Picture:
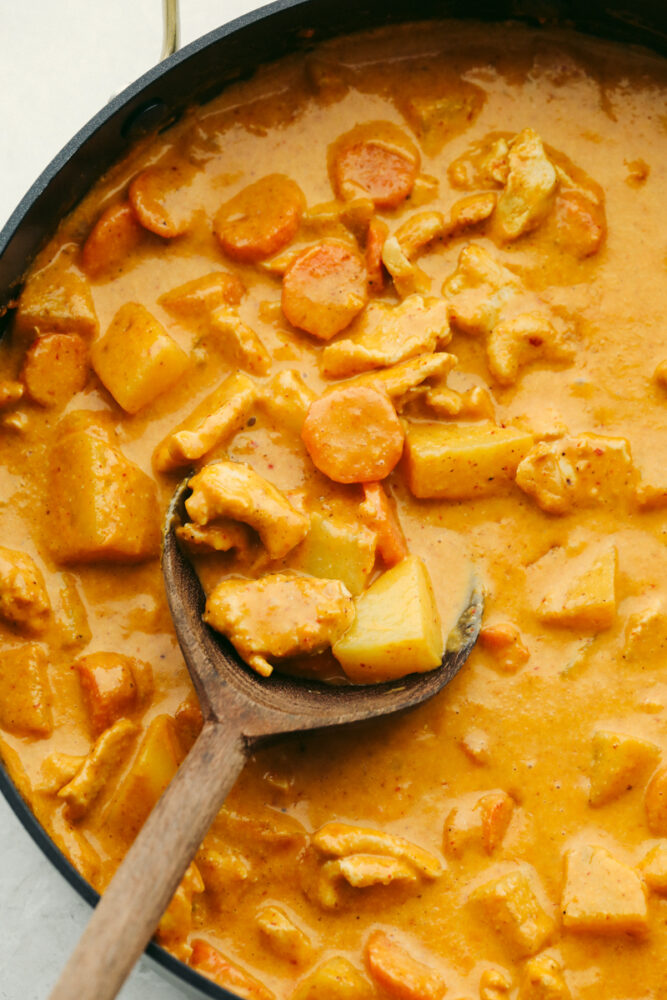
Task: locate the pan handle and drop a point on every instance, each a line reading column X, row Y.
column 171, row 39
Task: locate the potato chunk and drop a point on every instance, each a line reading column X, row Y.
column 283, row 937
column 397, row 628
column 512, row 906
column 102, row 507
column 279, row 615
column 397, row 972
column 386, row 335
column 601, row 895
column 24, row 601
column 107, row 755
column 55, row 368
column 655, row 803
column 336, row 550
column 654, row 868
column 25, row 697
column 216, row 419
column 335, row 979
column 136, row 359
column 617, row 764
column 57, row 299
column 531, row 183
column 580, row 590
column 233, row 489
column 112, row 685
column 462, row 462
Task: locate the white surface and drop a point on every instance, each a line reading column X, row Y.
column 61, row 61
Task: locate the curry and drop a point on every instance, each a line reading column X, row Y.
column 397, row 309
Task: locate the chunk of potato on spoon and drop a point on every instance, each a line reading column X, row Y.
column 241, row 709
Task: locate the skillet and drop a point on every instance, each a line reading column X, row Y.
column 195, row 75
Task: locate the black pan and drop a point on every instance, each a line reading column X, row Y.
column 195, row 75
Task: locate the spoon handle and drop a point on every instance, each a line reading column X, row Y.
column 137, row 896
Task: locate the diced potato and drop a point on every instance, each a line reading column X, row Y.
column 57, row 299
column 645, row 638
column 216, row 419
column 25, row 696
column 336, row 550
column 543, row 980
column 655, row 803
column 335, row 979
column 176, row 922
column 386, row 335
column 601, row 895
column 531, row 183
column 153, row 767
column 212, row 963
column 618, row 763
column 55, row 368
column 397, row 628
column 106, row 756
column 136, row 359
column 283, row 937
column 462, row 462
column 234, row 490
column 112, row 685
column 222, row 871
column 287, row 399
column 512, row 905
column 196, row 300
column 396, row 971
column 237, row 341
column 24, row 602
column 576, row 591
column 279, row 615
column 102, row 507
column 654, row 868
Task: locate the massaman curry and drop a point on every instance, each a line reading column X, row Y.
column 397, row 309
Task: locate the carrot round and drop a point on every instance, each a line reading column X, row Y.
column 260, row 220
column 324, row 289
column 111, row 240
column 378, row 513
column 158, row 198
column 376, row 160
column 353, row 435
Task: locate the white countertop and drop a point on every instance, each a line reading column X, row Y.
column 61, row 61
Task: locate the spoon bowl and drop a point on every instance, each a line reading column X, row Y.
column 240, row 710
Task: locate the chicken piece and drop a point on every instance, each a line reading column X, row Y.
column 223, row 871
column 407, row 277
column 376, row 234
column 618, row 762
column 646, row 633
column 504, row 643
column 360, row 871
column 279, row 615
column 386, row 335
column 398, row 973
column 478, row 290
column 57, row 299
column 518, row 341
column 176, row 923
column 340, row 840
column 286, row 399
column 196, row 300
column 11, row 392
column 576, row 472
column 475, row 403
column 494, row 984
column 601, row 895
column 107, row 755
column 543, row 980
column 112, row 685
column 220, row 536
column 653, row 868
column 55, row 368
column 437, row 120
column 335, row 979
column 470, row 211
column 57, row 770
column 237, row 341
column 283, row 937
column 216, row 419
column 233, row 489
column 400, row 381
column 530, row 187
column 25, row 696
column 210, row 962
column 486, row 164
column 419, row 230
column 24, row 602
column 577, row 592
column 512, row 905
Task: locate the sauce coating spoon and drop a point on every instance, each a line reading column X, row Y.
column 240, row 710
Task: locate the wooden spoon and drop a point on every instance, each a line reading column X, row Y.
column 240, row 710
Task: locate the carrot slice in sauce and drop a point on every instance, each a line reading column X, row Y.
column 378, row 513
column 113, row 238
column 378, row 230
column 377, row 160
column 260, row 220
column 210, row 962
column 158, row 198
column 324, row 289
column 353, row 435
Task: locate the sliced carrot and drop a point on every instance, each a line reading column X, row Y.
column 260, row 220
column 197, row 299
column 111, row 240
column 580, row 223
column 377, row 160
column 324, row 289
column 353, row 435
column 378, row 513
column 212, row 963
column 378, row 230
column 56, row 367
column 398, row 973
column 158, row 196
